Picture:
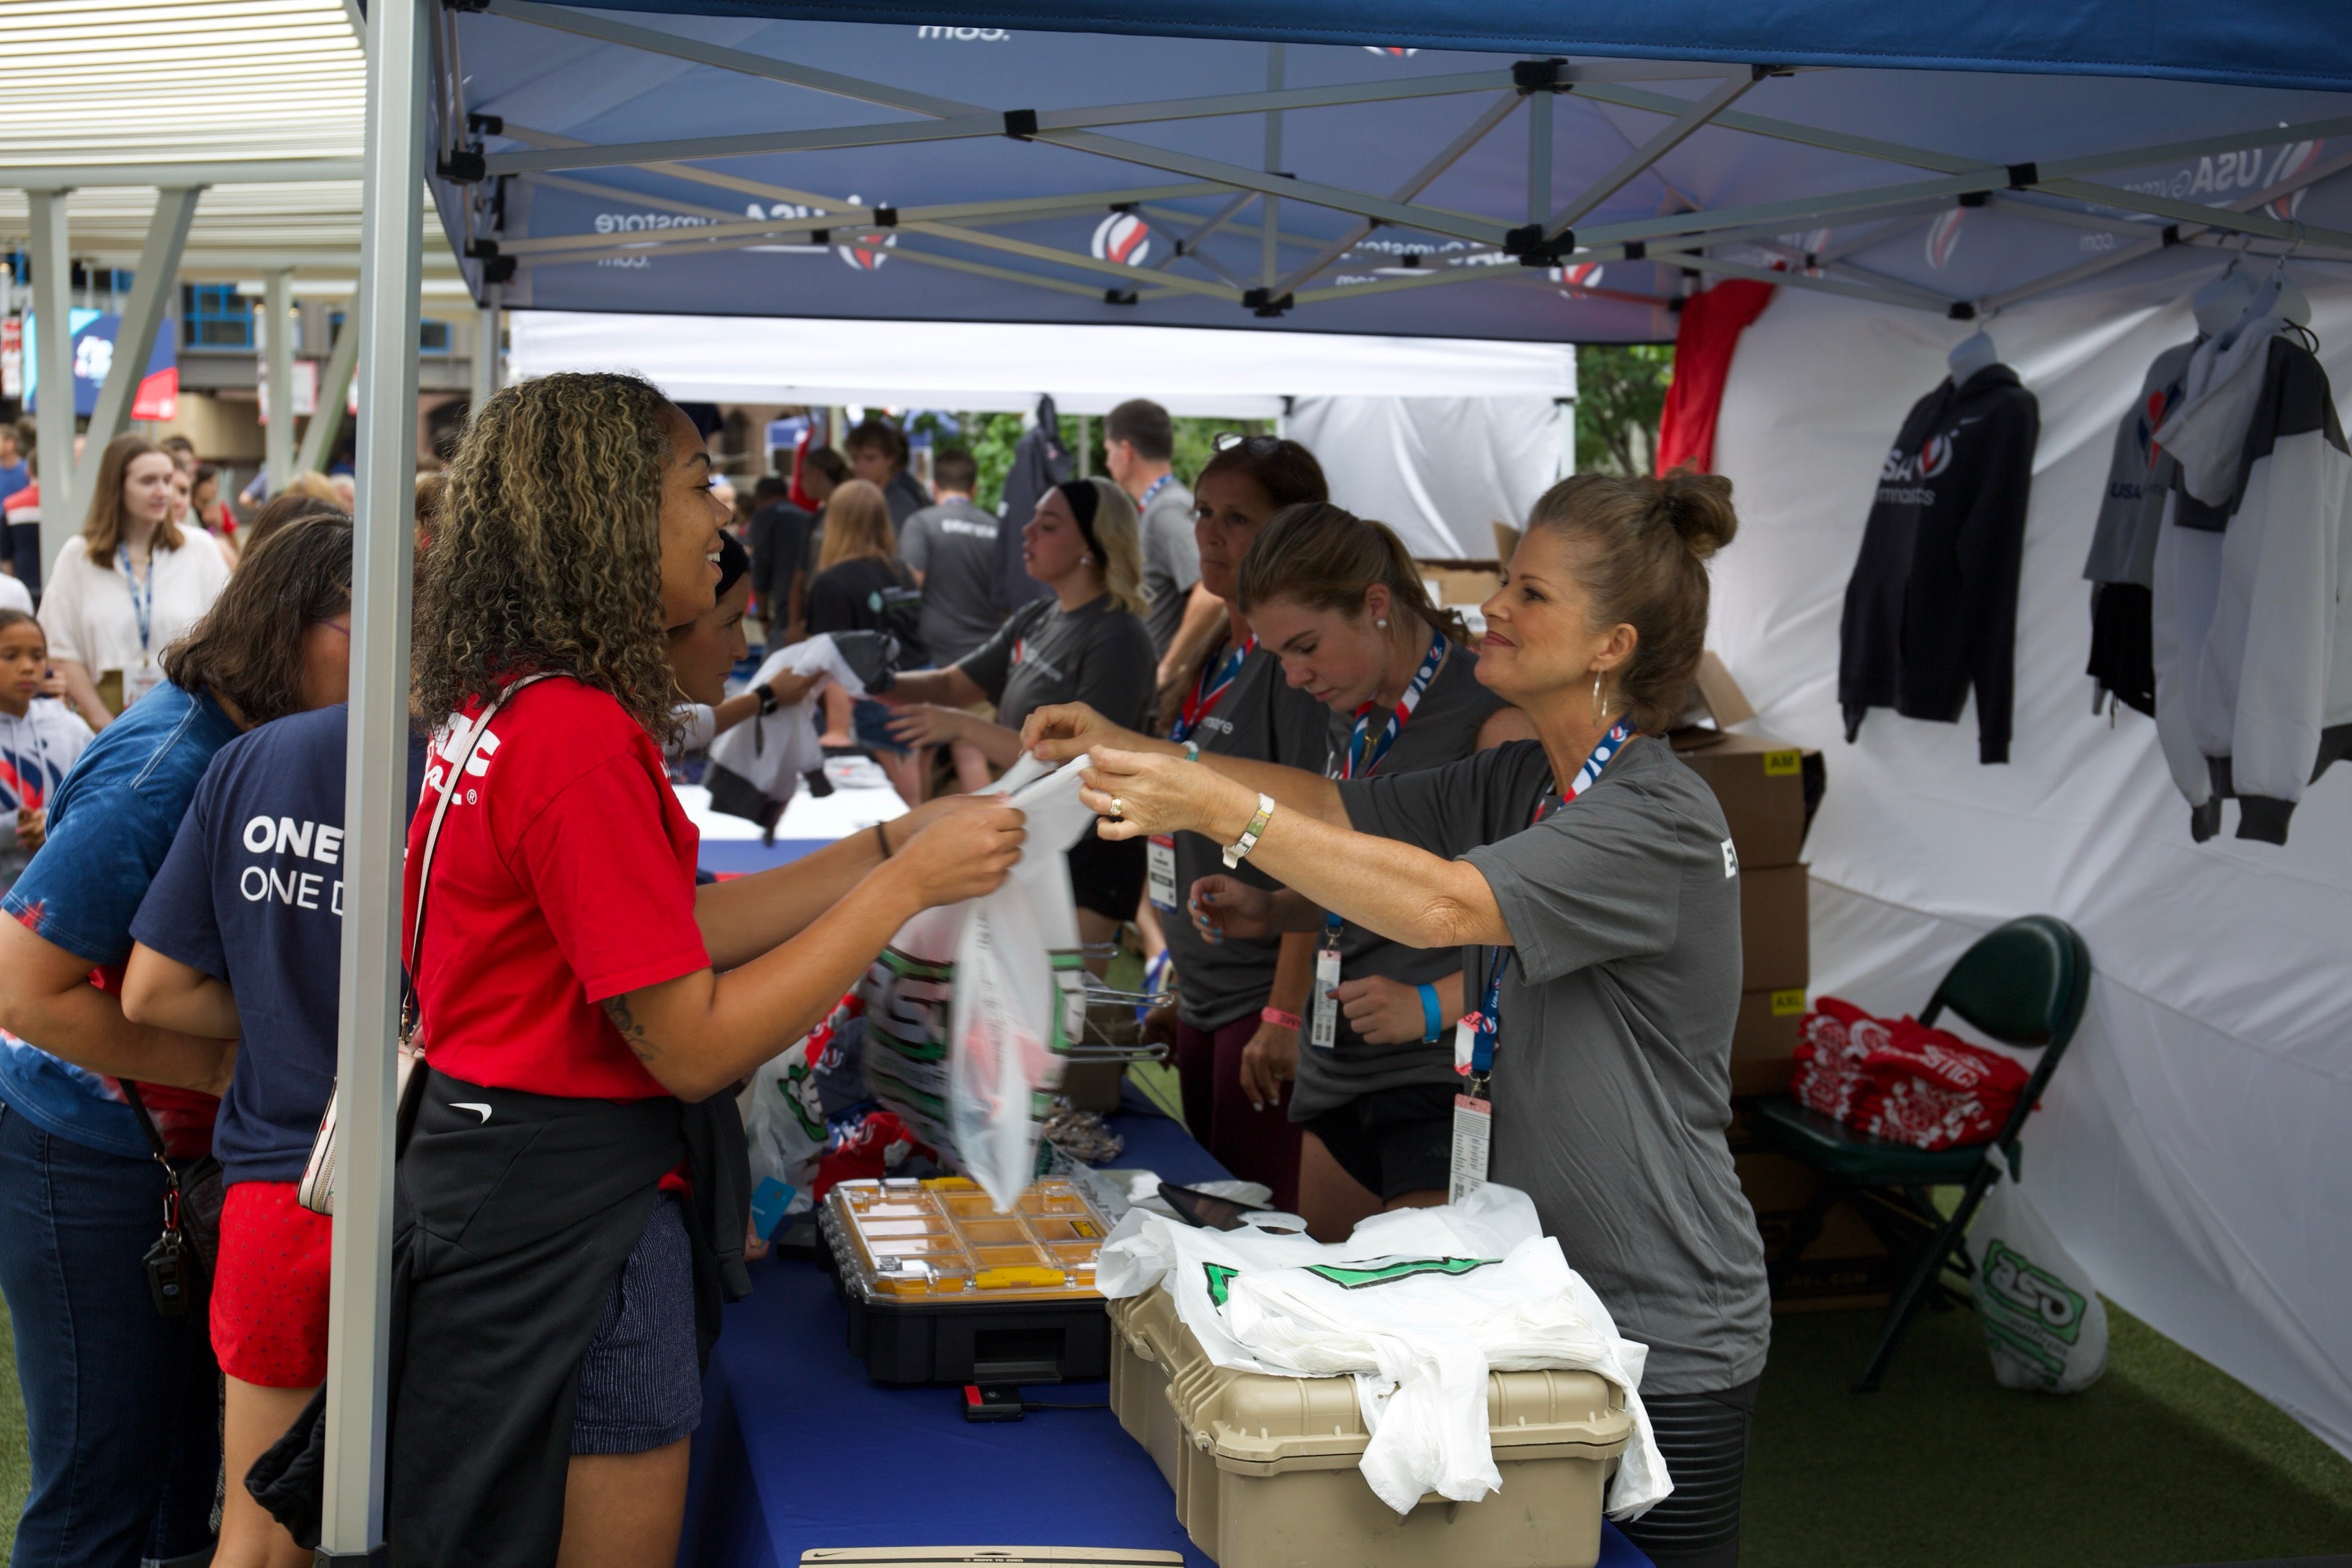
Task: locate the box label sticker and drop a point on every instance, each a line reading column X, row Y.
column 1786, row 1003
column 1782, row 764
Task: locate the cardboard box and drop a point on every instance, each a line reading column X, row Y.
column 1760, row 785
column 1774, row 929
column 1846, row 1266
column 1769, row 790
column 1460, row 585
column 1764, row 1040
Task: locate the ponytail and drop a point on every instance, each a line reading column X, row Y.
column 1327, row 558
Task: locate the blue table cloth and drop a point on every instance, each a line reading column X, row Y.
column 798, row 1450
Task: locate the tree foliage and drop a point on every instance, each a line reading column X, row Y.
column 991, row 437
column 1620, row 390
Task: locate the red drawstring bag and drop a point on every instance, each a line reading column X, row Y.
column 1901, row 1080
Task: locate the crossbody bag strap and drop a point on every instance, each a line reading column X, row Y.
column 441, row 810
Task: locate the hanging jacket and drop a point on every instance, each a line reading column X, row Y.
column 2253, row 583
column 508, row 1234
column 1039, row 462
column 1931, row 608
column 2121, row 565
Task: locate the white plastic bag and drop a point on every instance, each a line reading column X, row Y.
column 2044, row 1321
column 970, row 1012
column 783, row 1122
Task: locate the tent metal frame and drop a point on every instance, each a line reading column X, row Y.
column 2058, row 192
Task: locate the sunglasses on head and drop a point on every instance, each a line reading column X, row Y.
column 1254, row 446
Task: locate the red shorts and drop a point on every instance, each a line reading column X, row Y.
column 270, row 1288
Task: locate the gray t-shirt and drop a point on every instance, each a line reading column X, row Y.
column 1613, row 1070
column 1260, row 719
column 1443, row 728
column 1097, row 654
column 1172, row 562
column 953, row 545
column 2123, row 541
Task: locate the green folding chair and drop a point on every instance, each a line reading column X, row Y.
column 2025, row 984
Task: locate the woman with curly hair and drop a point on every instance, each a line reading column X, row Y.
column 584, row 1010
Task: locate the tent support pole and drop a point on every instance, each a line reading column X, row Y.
column 278, row 343
column 1726, row 93
column 53, row 353
column 1269, row 254
column 1453, row 153
column 1538, row 154
column 383, row 322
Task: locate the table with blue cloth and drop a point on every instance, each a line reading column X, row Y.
column 798, row 1450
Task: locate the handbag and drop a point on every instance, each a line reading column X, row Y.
column 179, row 1262
column 317, row 1192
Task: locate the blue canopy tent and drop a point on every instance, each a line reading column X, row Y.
column 709, row 159
column 1549, row 170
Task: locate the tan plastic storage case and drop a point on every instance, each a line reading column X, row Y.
column 1264, row 1468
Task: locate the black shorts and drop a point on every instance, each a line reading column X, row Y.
column 1106, row 875
column 1392, row 1141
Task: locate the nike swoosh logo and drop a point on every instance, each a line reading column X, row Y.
column 471, row 1105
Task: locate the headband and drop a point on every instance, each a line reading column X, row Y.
column 1085, row 501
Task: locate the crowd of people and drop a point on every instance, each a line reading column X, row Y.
column 1357, row 835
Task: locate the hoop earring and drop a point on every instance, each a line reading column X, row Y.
column 1600, row 707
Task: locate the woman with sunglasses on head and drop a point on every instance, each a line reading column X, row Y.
column 1592, row 876
column 1238, row 999
column 1339, row 604
column 1086, row 644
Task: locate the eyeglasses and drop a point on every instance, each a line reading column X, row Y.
column 342, row 627
column 1253, row 446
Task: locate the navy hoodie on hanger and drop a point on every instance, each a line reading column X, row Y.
column 1931, row 609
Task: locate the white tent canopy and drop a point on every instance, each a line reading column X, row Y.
column 992, row 365
column 2191, row 1148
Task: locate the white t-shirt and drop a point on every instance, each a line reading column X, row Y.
column 14, row 594
column 88, row 613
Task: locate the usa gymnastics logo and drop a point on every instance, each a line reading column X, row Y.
column 1944, row 236
column 1574, row 281
column 1904, row 469
column 2297, row 160
column 1122, row 237
column 866, row 254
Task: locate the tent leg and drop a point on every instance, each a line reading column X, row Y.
column 53, row 349
column 278, row 343
column 375, row 801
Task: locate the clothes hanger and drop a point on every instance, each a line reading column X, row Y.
column 2221, row 301
column 1974, row 354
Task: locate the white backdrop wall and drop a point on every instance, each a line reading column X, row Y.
column 1438, row 470
column 2195, row 1148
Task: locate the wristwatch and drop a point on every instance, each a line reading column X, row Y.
column 767, row 701
column 1238, row 850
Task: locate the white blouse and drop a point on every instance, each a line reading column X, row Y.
column 88, row 616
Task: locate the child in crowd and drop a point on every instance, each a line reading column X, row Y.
column 40, row 740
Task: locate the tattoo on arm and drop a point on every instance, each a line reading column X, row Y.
column 633, row 1033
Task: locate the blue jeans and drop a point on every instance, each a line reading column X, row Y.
column 122, row 1404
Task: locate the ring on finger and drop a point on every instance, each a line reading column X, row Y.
column 1117, row 808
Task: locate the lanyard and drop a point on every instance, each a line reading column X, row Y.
column 144, row 608
column 1210, row 687
column 1487, row 1021
column 1153, row 489
column 1360, row 760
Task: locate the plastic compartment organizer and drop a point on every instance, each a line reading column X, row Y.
column 942, row 1288
column 1264, row 1468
